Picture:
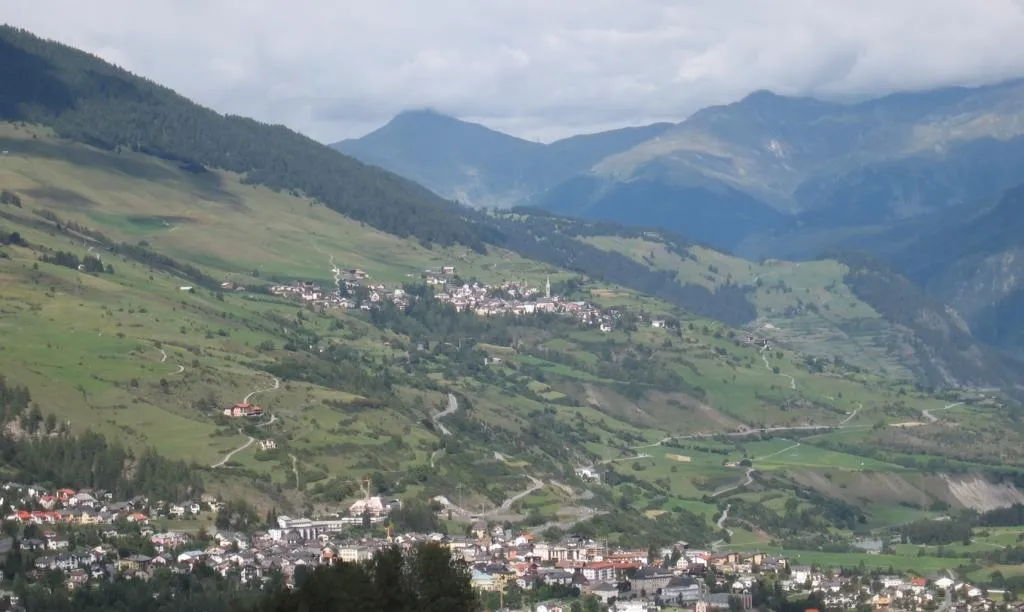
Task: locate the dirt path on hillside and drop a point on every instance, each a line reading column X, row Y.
column 163, row 359
column 768, row 365
column 934, row 419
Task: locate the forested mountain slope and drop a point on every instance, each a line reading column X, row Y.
column 88, row 100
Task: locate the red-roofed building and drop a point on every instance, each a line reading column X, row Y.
column 243, row 409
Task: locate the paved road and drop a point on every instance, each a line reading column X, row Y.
column 725, row 515
column 453, row 405
column 277, row 385
column 536, row 485
column 749, row 481
column 721, row 525
column 228, row 456
column 248, row 443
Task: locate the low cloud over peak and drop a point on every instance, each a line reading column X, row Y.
column 532, row 67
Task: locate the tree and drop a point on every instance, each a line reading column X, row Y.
column 426, row 579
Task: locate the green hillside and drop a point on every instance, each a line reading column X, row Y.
column 355, row 396
column 850, row 309
column 137, row 304
column 88, row 100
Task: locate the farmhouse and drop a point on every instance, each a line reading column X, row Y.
column 243, row 409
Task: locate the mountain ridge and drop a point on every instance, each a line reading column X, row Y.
column 820, row 164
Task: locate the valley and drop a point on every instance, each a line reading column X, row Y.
column 305, row 338
column 694, row 398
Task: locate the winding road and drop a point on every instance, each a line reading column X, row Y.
column 277, row 385
column 163, row 358
column 250, row 440
column 231, row 454
column 535, row 485
column 721, row 525
column 725, row 515
column 749, row 481
column 453, row 405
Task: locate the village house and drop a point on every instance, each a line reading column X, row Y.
column 243, row 409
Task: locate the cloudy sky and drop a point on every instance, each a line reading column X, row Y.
column 536, row 68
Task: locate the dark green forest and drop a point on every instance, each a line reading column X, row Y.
column 48, row 453
column 88, row 100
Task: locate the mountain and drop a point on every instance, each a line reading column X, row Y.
column 145, row 291
column 482, row 167
column 88, row 100
column 971, row 257
column 768, row 175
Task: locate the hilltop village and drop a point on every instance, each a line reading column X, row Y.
column 356, row 289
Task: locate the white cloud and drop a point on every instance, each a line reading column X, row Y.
column 534, row 67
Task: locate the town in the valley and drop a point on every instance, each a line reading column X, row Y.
column 501, row 558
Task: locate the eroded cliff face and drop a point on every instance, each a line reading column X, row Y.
column 972, row 491
column 975, row 284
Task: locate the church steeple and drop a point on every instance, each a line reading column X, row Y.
column 547, row 288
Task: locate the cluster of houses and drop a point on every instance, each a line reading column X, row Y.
column 42, row 506
column 508, row 298
column 622, row 579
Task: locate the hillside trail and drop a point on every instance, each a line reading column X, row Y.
column 335, row 270
column 453, row 405
column 934, row 419
column 250, row 440
column 163, row 359
column 768, row 365
column 778, row 452
column 850, row 416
